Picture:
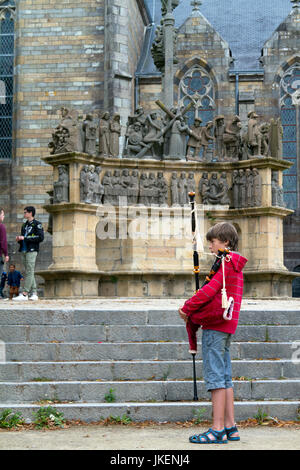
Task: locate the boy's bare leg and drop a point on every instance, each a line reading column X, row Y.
column 229, row 410
column 218, row 398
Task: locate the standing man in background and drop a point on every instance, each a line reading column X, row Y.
column 32, row 234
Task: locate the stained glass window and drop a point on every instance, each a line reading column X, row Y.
column 7, row 10
column 197, row 87
column 290, row 85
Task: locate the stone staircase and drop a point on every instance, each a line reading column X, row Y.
column 99, row 362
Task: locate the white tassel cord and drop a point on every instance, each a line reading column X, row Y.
column 227, row 304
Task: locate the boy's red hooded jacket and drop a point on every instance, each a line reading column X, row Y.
column 205, row 307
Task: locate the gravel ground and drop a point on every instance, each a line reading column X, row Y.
column 151, row 437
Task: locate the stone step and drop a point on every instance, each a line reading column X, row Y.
column 139, row 370
column 82, row 351
column 160, row 412
column 18, row 315
column 136, row 333
column 154, row 391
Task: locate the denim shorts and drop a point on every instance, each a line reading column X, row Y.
column 216, row 359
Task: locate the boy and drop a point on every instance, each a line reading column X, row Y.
column 13, row 281
column 205, row 309
column 32, row 234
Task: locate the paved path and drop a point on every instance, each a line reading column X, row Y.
column 152, row 437
column 137, row 303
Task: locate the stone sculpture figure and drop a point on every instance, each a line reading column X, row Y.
column 191, row 185
column 153, row 135
column 223, row 193
column 232, row 140
column 219, row 136
column 264, row 130
column 83, row 181
column 125, row 182
column 254, row 137
column 145, row 190
column 139, row 117
column 134, row 140
column 235, row 188
column 98, row 190
column 206, row 137
column 153, row 190
column 133, row 191
column 277, row 191
column 104, row 134
column 177, row 149
column 183, row 189
column 114, row 135
column 90, row 185
column 275, row 138
column 164, row 5
column 194, row 142
column 66, row 136
column 89, row 128
column 116, row 187
column 166, row 121
column 213, row 189
column 174, row 189
column 249, row 187
column 61, row 186
column 162, row 187
column 158, row 48
column 108, row 188
column 204, row 187
column 242, row 188
column 257, row 188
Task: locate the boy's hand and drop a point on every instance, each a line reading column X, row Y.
column 183, row 315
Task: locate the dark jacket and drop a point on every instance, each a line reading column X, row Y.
column 33, row 234
column 3, row 240
column 14, row 279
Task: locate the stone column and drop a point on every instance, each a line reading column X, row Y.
column 169, row 22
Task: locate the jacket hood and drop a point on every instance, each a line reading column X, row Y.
column 238, row 261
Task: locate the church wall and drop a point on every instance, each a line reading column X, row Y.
column 199, row 43
column 124, row 33
column 280, row 53
column 62, row 58
column 59, row 61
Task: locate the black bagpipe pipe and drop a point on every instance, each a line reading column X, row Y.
column 196, row 272
column 227, row 304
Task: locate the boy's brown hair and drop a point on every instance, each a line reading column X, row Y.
column 225, row 232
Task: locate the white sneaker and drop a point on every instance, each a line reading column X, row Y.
column 33, row 297
column 21, row 298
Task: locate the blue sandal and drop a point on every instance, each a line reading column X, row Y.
column 230, row 431
column 205, row 439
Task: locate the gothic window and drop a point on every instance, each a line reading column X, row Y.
column 7, row 15
column 197, row 86
column 289, row 92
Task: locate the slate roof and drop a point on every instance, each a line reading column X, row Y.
column 245, row 24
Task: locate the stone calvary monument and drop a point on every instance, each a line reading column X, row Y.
column 120, row 216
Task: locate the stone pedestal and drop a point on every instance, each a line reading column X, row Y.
column 146, row 251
